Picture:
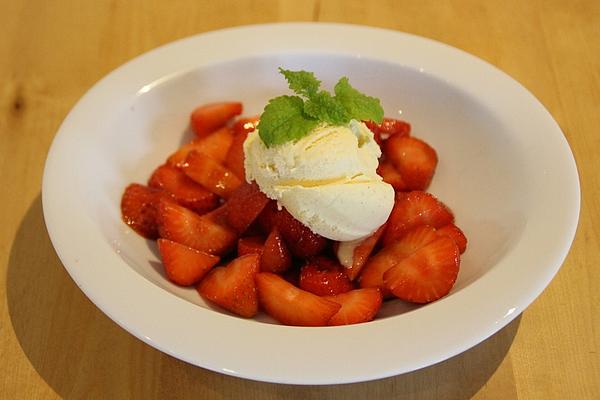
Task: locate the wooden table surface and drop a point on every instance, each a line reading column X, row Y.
column 54, row 343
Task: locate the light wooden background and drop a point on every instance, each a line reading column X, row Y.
column 55, row 344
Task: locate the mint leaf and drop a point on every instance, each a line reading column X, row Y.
column 358, row 105
column 283, row 120
column 326, row 108
column 303, row 83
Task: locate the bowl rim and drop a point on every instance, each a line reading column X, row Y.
column 177, row 333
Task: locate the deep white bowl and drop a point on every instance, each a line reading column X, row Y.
column 505, row 169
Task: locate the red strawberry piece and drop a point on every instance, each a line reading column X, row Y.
column 185, row 191
column 246, row 125
column 455, row 233
column 251, row 245
column 276, row 256
column 139, row 209
column 323, row 276
column 387, row 128
column 216, row 146
column 358, row 305
column 301, row 241
column 426, row 275
column 412, row 209
column 183, row 265
column 210, row 117
column 360, row 254
column 233, row 287
column 244, row 205
column 392, row 254
column 413, row 158
column 210, row 174
column 235, row 156
column 390, row 175
column 206, row 233
column 291, row 305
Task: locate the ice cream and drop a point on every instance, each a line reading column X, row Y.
column 327, row 179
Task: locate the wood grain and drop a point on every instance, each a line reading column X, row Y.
column 55, row 344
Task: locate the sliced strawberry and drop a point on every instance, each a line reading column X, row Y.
column 360, row 253
column 390, row 175
column 183, row 265
column 185, row 191
column 427, row 274
column 413, row 158
column 412, row 209
column 251, row 245
column 276, row 256
column 210, row 117
column 323, row 276
column 387, row 128
column 455, row 233
column 235, row 156
column 210, row 174
column 392, row 254
column 233, row 287
column 301, row 241
column 138, row 209
column 216, row 146
column 291, row 305
column 246, row 124
column 244, row 206
column 358, row 305
column 206, row 233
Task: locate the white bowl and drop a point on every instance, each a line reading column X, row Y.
column 505, row 169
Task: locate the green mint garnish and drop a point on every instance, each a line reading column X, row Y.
column 289, row 118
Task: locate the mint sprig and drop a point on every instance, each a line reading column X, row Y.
column 289, row 118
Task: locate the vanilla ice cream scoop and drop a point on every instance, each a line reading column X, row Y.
column 327, row 179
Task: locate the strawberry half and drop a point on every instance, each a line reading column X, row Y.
column 233, row 287
column 361, row 253
column 412, row 209
column 426, row 275
column 390, row 175
column 244, row 206
column 323, row 276
column 210, row 117
column 184, row 190
column 235, row 156
column 359, row 305
column 216, row 146
column 210, row 174
column 455, row 233
column 388, row 127
column 139, row 209
column 414, row 159
column 275, row 257
column 291, row 305
column 183, row 265
column 251, row 245
column 205, row 233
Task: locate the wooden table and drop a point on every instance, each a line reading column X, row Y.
column 55, row 344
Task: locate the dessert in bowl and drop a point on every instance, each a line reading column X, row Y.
column 503, row 166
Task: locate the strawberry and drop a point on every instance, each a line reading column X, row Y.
column 291, row 305
column 276, row 257
column 360, row 253
column 233, row 287
column 323, row 276
column 414, row 159
column 210, row 117
column 301, row 241
column 184, row 190
column 455, row 233
column 216, row 146
column 392, row 254
column 245, row 125
column 251, row 245
column 244, row 205
column 387, row 128
column 235, row 156
column 138, row 209
column 206, row 233
column 390, row 175
column 412, row 209
column 427, row 274
column 210, row 174
column 183, row 265
column 358, row 305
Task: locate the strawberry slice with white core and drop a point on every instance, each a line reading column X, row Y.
column 359, row 305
